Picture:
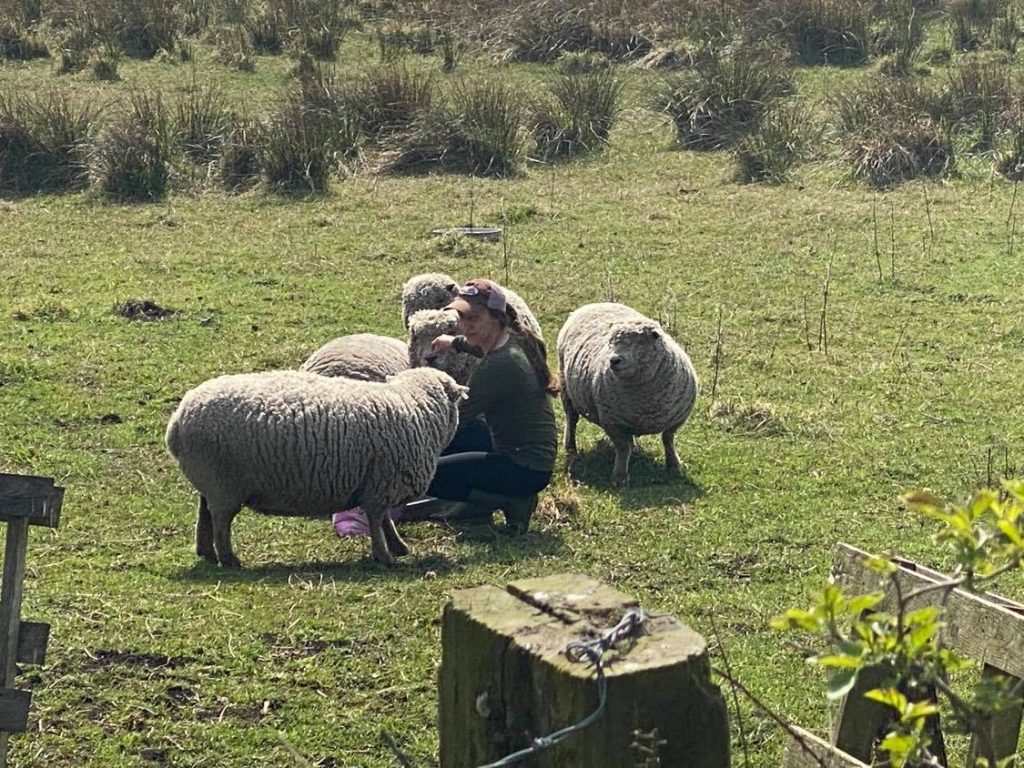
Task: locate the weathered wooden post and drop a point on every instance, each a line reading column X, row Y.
column 505, row 680
column 24, row 501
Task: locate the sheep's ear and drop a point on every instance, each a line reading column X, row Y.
column 451, row 287
column 459, row 392
column 654, row 331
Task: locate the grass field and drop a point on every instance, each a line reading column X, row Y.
column 313, row 650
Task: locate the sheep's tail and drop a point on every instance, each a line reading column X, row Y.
column 173, row 438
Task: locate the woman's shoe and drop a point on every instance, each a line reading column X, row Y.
column 518, row 509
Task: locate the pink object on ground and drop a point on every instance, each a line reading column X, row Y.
column 353, row 522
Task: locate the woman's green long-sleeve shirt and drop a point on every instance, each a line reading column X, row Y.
column 504, row 390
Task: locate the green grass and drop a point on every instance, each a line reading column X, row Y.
column 156, row 658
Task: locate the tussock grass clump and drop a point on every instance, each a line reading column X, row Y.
column 577, row 115
column 835, row 32
column 976, row 96
column 781, row 140
column 721, row 101
column 43, row 142
column 581, row 62
column 21, row 152
column 146, row 27
column 477, row 131
column 105, row 61
column 971, row 21
column 390, row 98
column 882, row 100
column 306, row 138
column 1006, row 31
column 20, row 44
column 896, row 152
column 267, row 32
column 239, row 167
column 234, row 49
column 202, row 119
column 315, row 27
column 1010, row 162
column 131, row 156
column 73, row 50
column 396, row 36
column 487, row 119
column 542, row 30
column 900, row 37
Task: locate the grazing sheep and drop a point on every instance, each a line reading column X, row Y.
column 362, row 356
column 295, row 443
column 434, row 291
column 425, row 326
column 623, row 372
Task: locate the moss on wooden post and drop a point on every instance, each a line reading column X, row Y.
column 505, row 680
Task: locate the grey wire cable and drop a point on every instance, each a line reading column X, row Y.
column 592, row 651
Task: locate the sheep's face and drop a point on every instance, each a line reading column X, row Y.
column 634, row 347
column 424, row 327
column 430, row 291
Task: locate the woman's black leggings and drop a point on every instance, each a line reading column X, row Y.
column 459, row 473
column 470, row 463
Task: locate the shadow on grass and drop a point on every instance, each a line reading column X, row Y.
column 649, row 483
column 498, row 546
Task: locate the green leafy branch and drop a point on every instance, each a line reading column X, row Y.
column 905, row 644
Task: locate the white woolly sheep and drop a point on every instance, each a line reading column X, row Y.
column 434, row 290
column 623, row 372
column 362, row 356
column 425, row 326
column 296, row 443
column 431, row 290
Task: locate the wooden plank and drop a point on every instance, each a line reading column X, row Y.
column 14, row 710
column 505, row 680
column 33, row 637
column 805, row 750
column 860, row 720
column 41, row 510
column 1000, row 733
column 10, row 620
column 10, row 598
column 981, row 626
column 21, row 486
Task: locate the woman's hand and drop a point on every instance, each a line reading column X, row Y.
column 442, row 343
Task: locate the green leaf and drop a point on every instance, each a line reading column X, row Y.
column 861, row 603
column 920, row 710
column 926, row 615
column 840, row 683
column 888, row 696
column 796, row 618
column 880, row 564
column 838, row 661
column 899, row 746
column 923, row 498
column 1011, row 532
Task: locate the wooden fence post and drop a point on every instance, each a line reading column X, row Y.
column 505, row 680
column 24, row 501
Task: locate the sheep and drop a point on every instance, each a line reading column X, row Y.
column 296, row 443
column 622, row 371
column 431, row 290
column 362, row 356
column 434, row 290
column 425, row 326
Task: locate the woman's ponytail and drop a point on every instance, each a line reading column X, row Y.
column 534, row 348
